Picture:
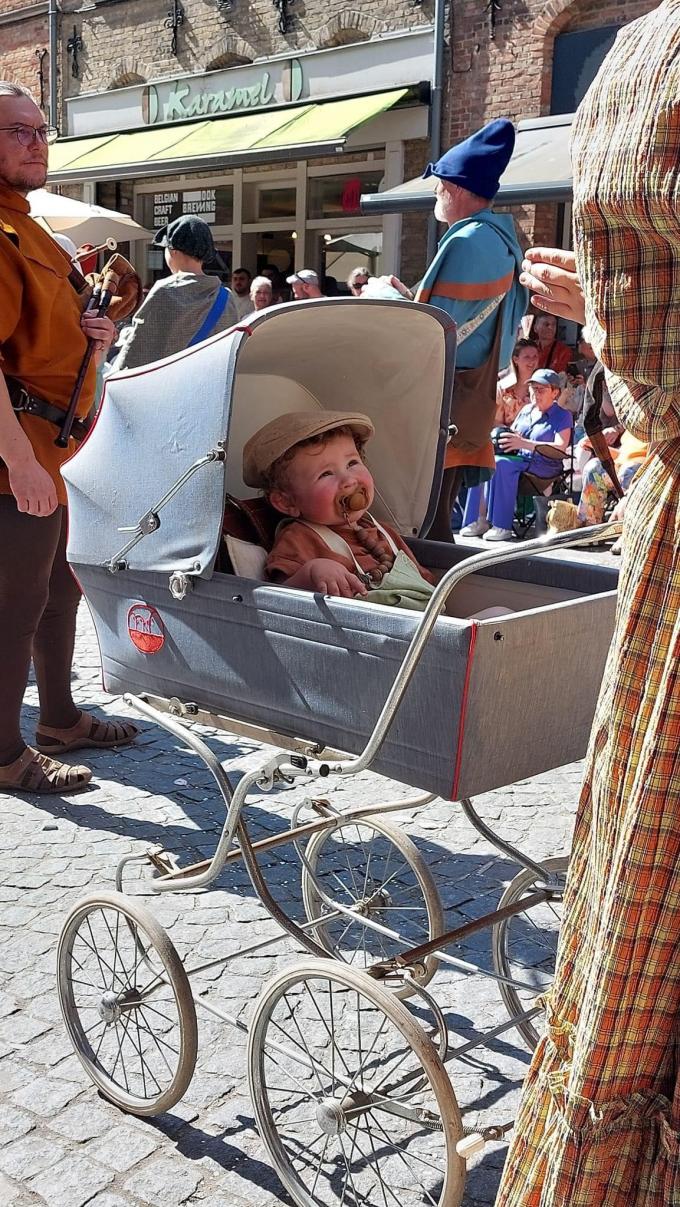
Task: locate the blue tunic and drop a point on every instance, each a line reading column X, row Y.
column 478, row 259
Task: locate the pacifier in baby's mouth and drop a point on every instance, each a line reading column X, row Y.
column 357, row 501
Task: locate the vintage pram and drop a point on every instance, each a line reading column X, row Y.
column 350, row 1091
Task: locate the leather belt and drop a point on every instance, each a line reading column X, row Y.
column 33, row 404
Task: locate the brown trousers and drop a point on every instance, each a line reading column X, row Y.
column 440, row 528
column 38, row 605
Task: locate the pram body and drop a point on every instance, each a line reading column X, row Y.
column 267, row 654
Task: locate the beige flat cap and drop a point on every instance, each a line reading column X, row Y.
column 275, row 438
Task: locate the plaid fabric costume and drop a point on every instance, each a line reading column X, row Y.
column 599, row 1122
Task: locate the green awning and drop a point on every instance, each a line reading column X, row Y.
column 291, row 132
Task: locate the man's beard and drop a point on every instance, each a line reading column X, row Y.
column 22, row 182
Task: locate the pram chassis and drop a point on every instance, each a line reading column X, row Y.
column 403, row 971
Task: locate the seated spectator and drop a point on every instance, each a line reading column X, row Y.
column 513, row 389
column 356, row 281
column 596, row 483
column 240, row 290
column 305, row 284
column 542, row 422
column 311, row 468
column 183, row 308
column 552, row 353
column 261, row 293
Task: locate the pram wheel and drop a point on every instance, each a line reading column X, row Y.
column 373, row 869
column 127, row 1003
column 332, row 1058
column 525, row 945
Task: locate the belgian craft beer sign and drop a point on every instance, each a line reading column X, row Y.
column 398, row 60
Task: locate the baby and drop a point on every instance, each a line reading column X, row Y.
column 311, row 467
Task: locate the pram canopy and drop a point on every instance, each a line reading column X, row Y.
column 392, row 360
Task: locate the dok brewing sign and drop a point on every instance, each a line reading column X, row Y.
column 215, row 206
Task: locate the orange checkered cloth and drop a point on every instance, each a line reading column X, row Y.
column 599, row 1121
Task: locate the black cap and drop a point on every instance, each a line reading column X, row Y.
column 189, row 234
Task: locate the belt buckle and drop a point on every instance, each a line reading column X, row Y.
column 21, row 404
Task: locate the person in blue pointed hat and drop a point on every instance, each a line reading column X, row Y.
column 474, row 277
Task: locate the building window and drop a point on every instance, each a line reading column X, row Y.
column 577, row 58
column 276, row 203
column 339, row 196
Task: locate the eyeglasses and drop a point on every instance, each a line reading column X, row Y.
column 27, row 135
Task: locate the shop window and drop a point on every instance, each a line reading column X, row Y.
column 276, row 203
column 215, row 206
column 339, row 196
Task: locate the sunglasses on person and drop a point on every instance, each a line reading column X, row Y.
column 27, row 135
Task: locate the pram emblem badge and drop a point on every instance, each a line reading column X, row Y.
column 145, row 628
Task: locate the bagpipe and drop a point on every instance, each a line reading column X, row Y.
column 115, row 291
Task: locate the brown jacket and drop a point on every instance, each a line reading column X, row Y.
column 41, row 341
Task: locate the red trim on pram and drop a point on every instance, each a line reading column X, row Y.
column 463, row 709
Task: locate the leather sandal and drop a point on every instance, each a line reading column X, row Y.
column 88, row 732
column 34, row 772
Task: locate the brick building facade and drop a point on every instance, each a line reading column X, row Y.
column 519, row 58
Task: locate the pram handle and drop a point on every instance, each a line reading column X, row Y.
column 434, row 609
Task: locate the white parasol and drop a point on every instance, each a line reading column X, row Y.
column 82, row 221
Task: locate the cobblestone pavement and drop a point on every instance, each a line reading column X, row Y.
column 61, row 1143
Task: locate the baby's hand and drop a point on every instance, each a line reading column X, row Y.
column 331, row 578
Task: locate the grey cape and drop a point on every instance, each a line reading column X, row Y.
column 170, row 316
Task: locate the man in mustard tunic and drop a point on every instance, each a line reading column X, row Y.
column 43, row 338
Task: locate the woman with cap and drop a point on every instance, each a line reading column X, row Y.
column 475, row 270
column 542, row 422
column 184, row 308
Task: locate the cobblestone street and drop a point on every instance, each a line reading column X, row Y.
column 61, row 1143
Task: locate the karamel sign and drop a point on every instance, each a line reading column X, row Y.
column 190, row 98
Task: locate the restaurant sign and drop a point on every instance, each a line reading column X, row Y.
column 188, row 98
column 398, row 60
column 213, row 205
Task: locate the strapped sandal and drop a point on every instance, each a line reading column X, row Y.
column 88, row 732
column 34, row 772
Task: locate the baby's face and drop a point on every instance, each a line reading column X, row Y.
column 319, row 477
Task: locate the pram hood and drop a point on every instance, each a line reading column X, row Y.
column 392, row 360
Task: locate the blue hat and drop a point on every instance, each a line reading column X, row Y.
column 478, row 163
column 546, row 377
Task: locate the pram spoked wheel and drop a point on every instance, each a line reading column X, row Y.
column 376, row 871
column 352, row 1100
column 525, row 945
column 127, row 1003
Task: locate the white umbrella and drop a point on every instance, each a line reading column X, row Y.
column 366, row 244
column 82, row 221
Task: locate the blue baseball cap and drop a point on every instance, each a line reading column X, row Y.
column 478, row 163
column 546, row 377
